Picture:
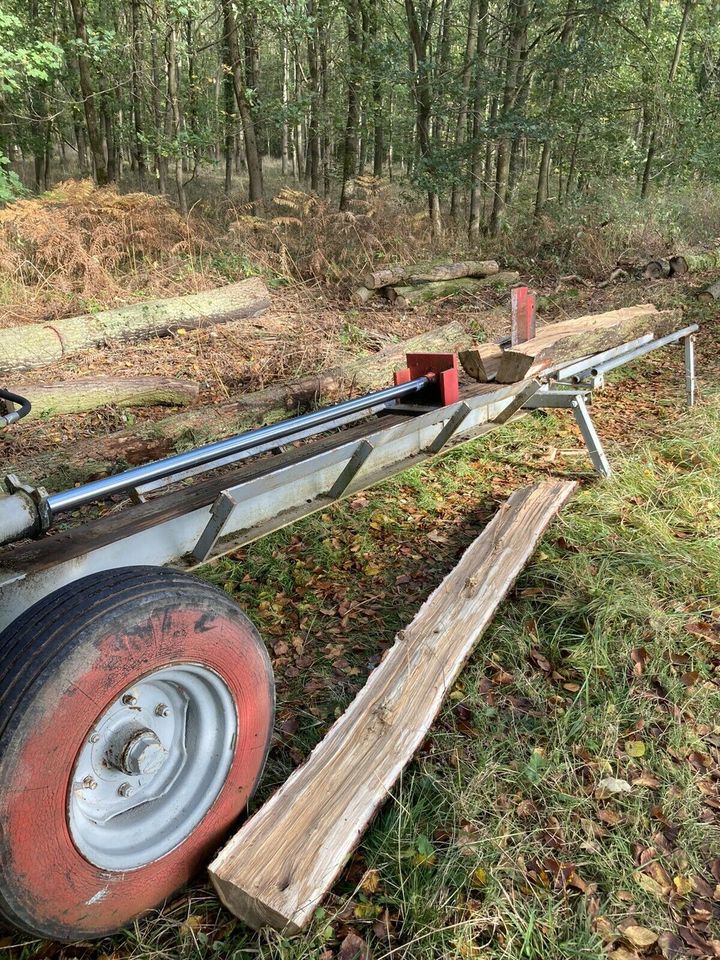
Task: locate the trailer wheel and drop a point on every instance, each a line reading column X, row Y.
column 136, row 710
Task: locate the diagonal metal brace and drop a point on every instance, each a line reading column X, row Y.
column 219, row 516
column 575, row 400
column 351, row 469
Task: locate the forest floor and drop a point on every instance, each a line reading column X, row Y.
column 605, row 661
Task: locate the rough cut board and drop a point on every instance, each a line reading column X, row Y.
column 558, row 342
column 279, row 866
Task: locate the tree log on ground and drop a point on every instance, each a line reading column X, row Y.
column 398, row 273
column 695, row 262
column 90, row 393
column 29, row 346
column 277, row 869
column 426, row 292
column 571, row 339
column 657, row 269
column 709, row 294
column 482, row 362
column 154, row 439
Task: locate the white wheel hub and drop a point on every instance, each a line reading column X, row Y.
column 151, row 767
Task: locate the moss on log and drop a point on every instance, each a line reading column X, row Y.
column 695, row 262
column 426, row 292
column 29, row 346
column 90, row 393
column 401, row 274
column 152, row 440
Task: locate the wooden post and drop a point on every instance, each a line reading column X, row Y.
column 276, row 870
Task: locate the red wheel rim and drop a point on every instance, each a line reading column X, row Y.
column 46, row 876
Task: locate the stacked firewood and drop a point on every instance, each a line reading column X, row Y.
column 407, row 285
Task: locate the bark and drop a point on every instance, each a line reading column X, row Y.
column 90, row 393
column 350, row 142
column 572, row 339
column 29, row 346
column 657, row 269
column 417, row 272
column 136, row 92
column 465, row 81
column 252, row 154
column 176, row 123
column 516, row 43
column 425, row 292
column 479, row 108
column 694, row 262
column 313, row 133
column 269, row 874
column 88, row 94
column 100, row 456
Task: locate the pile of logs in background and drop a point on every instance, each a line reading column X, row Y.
column 407, row 285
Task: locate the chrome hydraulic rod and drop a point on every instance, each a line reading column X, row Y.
column 100, row 489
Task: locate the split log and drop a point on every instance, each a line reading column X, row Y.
column 101, row 456
column 570, row 339
column 425, row 292
column 29, row 346
column 482, row 362
column 398, row 273
column 695, row 263
column 709, row 294
column 276, row 870
column 90, row 393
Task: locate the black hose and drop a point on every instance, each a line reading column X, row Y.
column 15, row 415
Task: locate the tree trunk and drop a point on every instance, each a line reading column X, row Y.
column 136, row 92
column 90, row 393
column 418, row 272
column 88, row 94
column 350, row 142
column 426, row 292
column 479, row 108
column 30, row 345
column 252, row 154
column 710, row 293
column 465, row 81
column 176, row 123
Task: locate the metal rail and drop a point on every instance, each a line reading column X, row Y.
column 101, row 489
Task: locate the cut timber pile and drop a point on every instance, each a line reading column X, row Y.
column 147, row 441
column 408, row 285
column 282, row 862
column 568, row 340
column 28, row 346
column 89, row 393
column 681, row 264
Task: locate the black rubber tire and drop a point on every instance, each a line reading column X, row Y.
column 83, row 639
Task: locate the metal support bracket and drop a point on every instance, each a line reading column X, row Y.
column 690, row 383
column 575, row 400
column 451, row 427
column 219, row 515
column 351, row 469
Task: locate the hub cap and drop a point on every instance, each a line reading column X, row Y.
column 151, row 767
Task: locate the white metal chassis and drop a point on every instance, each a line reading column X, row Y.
column 272, row 498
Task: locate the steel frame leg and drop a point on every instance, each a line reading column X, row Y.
column 689, row 343
column 591, row 437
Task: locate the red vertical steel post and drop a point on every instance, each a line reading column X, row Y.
column 523, row 315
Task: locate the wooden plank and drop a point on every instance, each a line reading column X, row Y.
column 276, row 870
column 558, row 342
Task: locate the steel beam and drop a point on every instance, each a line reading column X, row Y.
column 689, row 343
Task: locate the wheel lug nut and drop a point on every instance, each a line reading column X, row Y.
column 126, row 790
column 129, row 700
column 89, row 783
column 94, row 737
column 162, row 710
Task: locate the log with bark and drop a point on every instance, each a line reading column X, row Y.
column 90, row 393
column 423, row 293
column 400, row 274
column 572, row 339
column 276, row 870
column 147, row 441
column 709, row 294
column 30, row 345
column 657, row 269
column 695, row 262
column 482, row 362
